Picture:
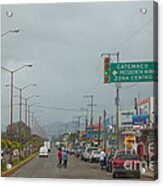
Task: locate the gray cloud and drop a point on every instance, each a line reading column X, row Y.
column 64, row 43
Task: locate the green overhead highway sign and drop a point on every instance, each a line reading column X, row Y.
column 134, row 72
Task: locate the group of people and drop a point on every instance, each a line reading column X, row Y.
column 62, row 157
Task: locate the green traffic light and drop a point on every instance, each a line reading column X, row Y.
column 106, row 73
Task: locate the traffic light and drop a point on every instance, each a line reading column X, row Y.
column 107, row 70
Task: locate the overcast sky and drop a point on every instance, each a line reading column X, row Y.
column 64, row 43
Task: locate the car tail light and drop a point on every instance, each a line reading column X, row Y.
column 114, row 163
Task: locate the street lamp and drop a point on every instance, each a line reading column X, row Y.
column 20, row 103
column 12, row 72
column 15, row 30
column 20, row 96
column 27, row 115
column 29, row 106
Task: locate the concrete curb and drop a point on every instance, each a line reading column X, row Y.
column 16, row 167
column 148, row 176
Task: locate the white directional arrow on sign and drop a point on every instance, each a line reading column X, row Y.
column 114, row 72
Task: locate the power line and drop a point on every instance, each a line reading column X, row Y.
column 58, row 108
column 48, row 107
column 125, row 41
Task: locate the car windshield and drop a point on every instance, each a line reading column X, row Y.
column 96, row 152
column 126, row 157
column 91, row 149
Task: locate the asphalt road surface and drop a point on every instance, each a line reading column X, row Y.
column 77, row 169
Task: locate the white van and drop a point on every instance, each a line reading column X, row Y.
column 48, row 145
column 43, row 152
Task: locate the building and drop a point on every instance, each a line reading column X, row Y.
column 146, row 106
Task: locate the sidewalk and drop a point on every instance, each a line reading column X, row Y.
column 149, row 174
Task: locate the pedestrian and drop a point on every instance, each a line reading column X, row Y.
column 65, row 158
column 59, row 158
column 102, row 159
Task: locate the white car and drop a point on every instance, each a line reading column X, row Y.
column 94, row 156
column 88, row 151
column 43, row 152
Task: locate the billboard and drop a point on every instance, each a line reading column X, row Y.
column 146, row 107
column 126, row 117
column 139, row 119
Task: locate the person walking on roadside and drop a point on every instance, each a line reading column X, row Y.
column 65, row 158
column 59, row 158
column 102, row 159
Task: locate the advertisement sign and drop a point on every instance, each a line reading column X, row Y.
column 126, row 117
column 146, row 107
column 139, row 119
column 107, row 122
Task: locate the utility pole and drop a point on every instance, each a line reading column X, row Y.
column 99, row 131
column 77, row 125
column 105, row 140
column 28, row 122
column 136, row 105
column 11, row 114
column 32, row 129
column 117, row 105
column 78, row 132
column 111, row 131
column 91, row 121
column 26, row 112
column 86, row 124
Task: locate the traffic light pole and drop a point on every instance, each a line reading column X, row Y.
column 117, row 107
column 117, row 99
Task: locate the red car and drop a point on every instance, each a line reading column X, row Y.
column 125, row 162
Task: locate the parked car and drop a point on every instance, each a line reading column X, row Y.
column 94, row 156
column 121, row 159
column 79, row 151
column 72, row 151
column 109, row 160
column 87, row 152
column 81, row 156
column 43, row 152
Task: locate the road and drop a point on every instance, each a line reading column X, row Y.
column 77, row 169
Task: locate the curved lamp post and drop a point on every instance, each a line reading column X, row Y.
column 20, row 103
column 16, row 30
column 12, row 72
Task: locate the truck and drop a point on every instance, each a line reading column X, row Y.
column 48, row 145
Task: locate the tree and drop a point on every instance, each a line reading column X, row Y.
column 72, row 137
column 15, row 145
column 19, row 129
column 5, row 144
